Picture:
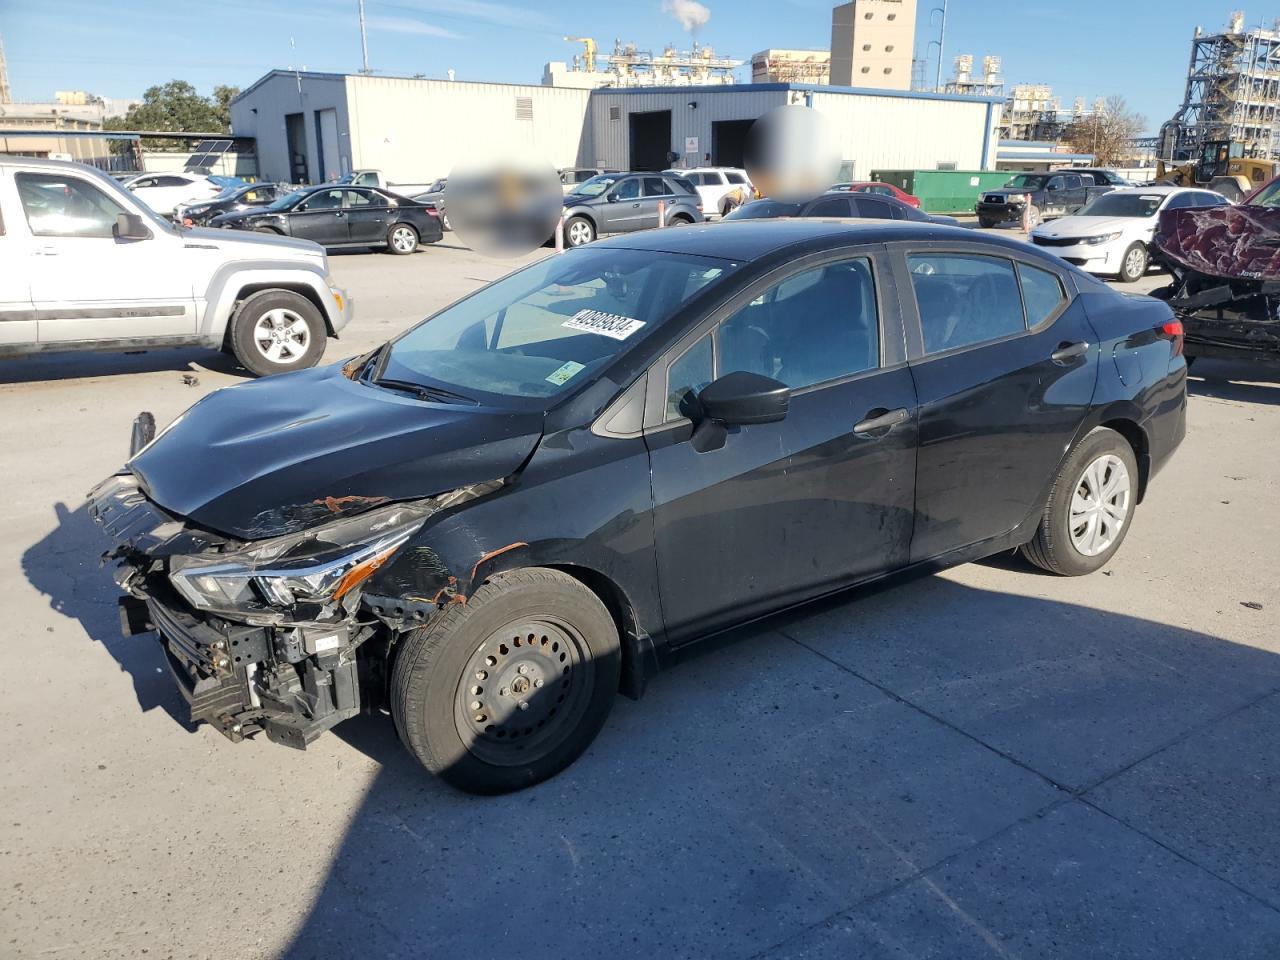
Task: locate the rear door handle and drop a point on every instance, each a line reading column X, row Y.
column 1069, row 352
column 882, row 421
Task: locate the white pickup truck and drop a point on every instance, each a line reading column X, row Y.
column 84, row 265
column 374, row 178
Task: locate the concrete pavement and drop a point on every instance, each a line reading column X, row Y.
column 990, row 762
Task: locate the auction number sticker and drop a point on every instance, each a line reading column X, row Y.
column 605, row 324
column 563, row 375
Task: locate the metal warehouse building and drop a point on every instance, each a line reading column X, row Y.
column 311, row 127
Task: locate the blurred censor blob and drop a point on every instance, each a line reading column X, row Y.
column 790, row 155
column 506, row 208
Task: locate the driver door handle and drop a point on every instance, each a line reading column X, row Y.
column 884, row 421
column 1069, row 352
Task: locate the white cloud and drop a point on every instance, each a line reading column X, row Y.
column 409, row 25
column 688, row 13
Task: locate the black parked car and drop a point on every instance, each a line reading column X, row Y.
column 548, row 490
column 838, row 203
column 622, row 202
column 1053, row 194
column 234, row 199
column 338, row 217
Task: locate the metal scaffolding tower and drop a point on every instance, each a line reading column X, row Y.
column 6, row 95
column 1233, row 93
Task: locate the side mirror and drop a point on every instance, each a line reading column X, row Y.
column 611, row 198
column 130, row 226
column 745, row 398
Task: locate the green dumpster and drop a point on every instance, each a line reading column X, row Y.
column 944, row 191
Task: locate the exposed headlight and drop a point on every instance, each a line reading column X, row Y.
column 1101, row 238
column 315, row 568
column 202, row 208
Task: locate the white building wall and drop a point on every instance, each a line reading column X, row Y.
column 417, row 130
column 910, row 133
column 260, row 113
column 611, row 139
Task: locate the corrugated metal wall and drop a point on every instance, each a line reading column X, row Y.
column 276, row 96
column 416, row 130
column 907, row 133
column 610, row 144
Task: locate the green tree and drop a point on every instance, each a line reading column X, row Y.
column 177, row 106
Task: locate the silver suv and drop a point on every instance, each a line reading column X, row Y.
column 622, row 202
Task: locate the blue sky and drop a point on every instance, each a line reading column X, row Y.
column 1083, row 48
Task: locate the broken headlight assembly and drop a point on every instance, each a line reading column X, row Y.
column 307, row 573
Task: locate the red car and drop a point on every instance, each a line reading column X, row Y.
column 888, row 189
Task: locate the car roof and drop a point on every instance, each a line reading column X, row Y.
column 1162, row 188
column 747, row 240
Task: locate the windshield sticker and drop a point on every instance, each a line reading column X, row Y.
column 563, row 375
column 605, row 324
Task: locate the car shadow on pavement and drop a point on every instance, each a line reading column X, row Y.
column 916, row 761
column 79, row 366
column 1240, row 381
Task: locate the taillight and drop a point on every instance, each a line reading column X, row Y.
column 1173, row 330
column 432, row 212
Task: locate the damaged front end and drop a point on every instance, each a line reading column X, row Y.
column 1225, row 263
column 260, row 635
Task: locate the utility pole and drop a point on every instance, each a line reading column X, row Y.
column 942, row 36
column 364, row 41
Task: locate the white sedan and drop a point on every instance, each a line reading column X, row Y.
column 1110, row 234
column 162, row 192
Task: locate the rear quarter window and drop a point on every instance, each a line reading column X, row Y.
column 1042, row 293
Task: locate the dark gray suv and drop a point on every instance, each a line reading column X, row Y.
column 622, row 202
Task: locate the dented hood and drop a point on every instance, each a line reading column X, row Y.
column 280, row 454
column 1236, row 242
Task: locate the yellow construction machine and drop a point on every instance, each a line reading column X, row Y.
column 1222, row 166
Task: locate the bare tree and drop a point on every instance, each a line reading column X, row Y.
column 1106, row 133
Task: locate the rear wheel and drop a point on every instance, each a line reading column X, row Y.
column 1133, row 265
column 275, row 331
column 511, row 687
column 402, row 239
column 1090, row 507
column 679, row 220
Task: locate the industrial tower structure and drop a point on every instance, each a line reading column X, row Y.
column 6, row 95
column 1233, row 93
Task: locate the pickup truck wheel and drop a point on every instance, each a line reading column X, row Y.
column 579, row 231
column 274, row 331
column 1090, row 507
column 1034, row 216
column 402, row 239
column 986, row 223
column 1133, row 265
column 511, row 687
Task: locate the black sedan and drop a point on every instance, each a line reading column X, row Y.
column 343, row 217
column 491, row 524
column 838, row 203
column 233, row 199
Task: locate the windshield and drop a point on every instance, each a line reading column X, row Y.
column 595, row 186
column 1123, row 205
column 552, row 326
column 1027, row 181
column 1268, row 196
column 287, row 202
column 758, row 209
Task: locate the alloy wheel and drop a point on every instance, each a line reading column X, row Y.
column 1100, row 505
column 403, row 239
column 579, row 233
column 1135, row 263
column 282, row 336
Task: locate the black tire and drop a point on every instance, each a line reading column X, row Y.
column 1135, row 271
column 465, row 653
column 1052, row 548
column 254, row 354
column 986, row 223
column 402, row 239
column 580, row 228
column 679, row 220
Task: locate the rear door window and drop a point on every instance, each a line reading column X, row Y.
column 965, row 299
column 654, row 187
column 877, row 208
column 829, row 207
column 735, row 178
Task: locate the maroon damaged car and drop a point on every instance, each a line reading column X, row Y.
column 1225, row 264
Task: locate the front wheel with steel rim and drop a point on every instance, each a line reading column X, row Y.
column 1090, row 506
column 402, row 239
column 579, row 231
column 511, row 687
column 274, row 331
column 1133, row 266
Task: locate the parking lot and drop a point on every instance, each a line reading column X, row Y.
column 987, row 762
